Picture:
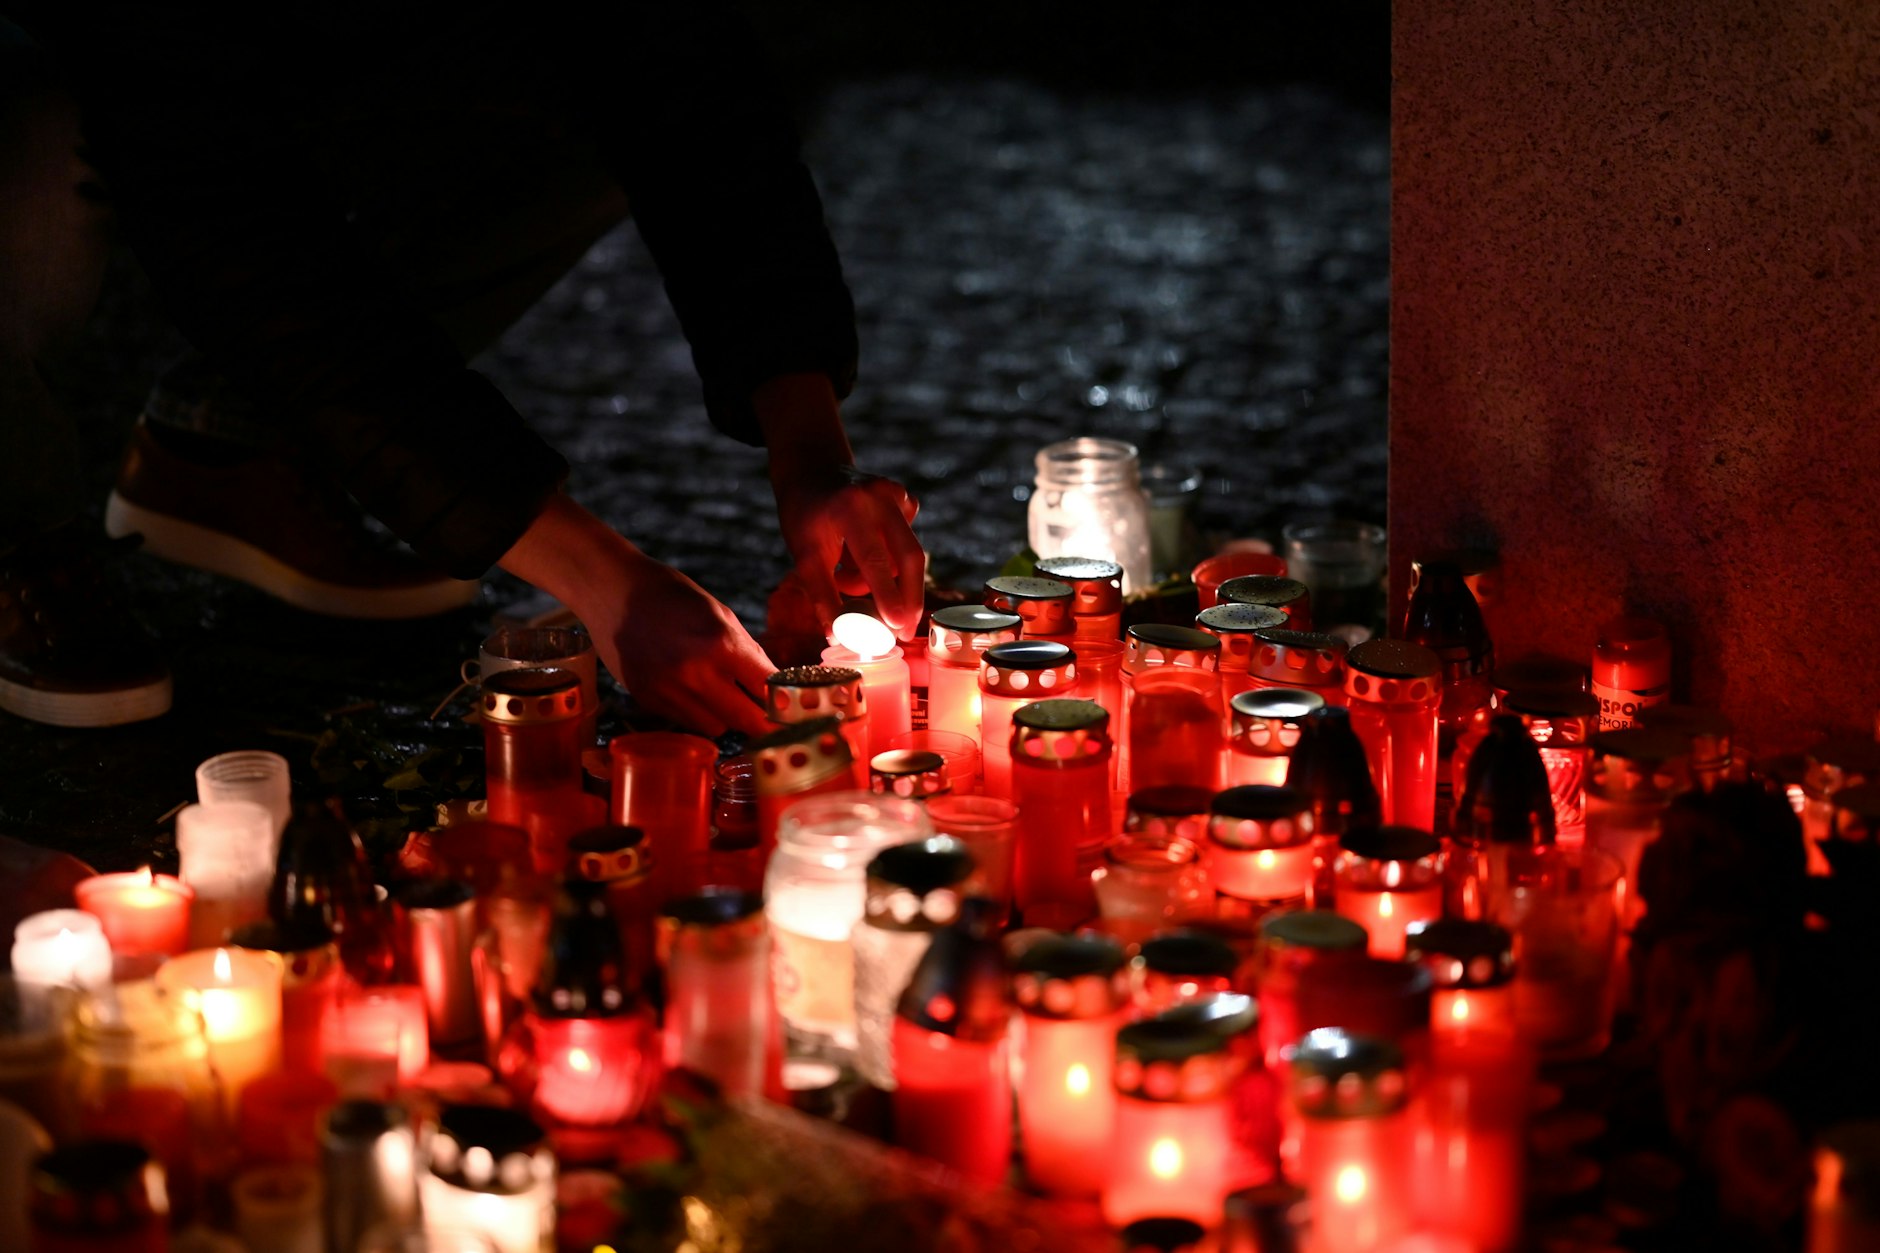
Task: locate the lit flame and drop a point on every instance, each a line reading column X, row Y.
column 1351, row 1185
column 579, row 1060
column 1383, row 905
column 1459, row 1009
column 1077, row 1080
column 1266, row 859
column 223, row 971
column 1165, row 1159
column 862, row 635
column 150, row 878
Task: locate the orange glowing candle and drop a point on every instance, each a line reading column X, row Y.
column 1266, row 725
column 238, row 993
column 141, row 913
column 863, row 643
column 956, row 637
column 1071, row 992
column 1260, row 851
column 1356, row 1140
column 1388, row 878
column 1012, row 676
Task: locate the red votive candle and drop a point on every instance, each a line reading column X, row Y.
column 1471, row 964
column 910, row 773
column 798, row 760
column 1012, row 676
column 278, row 1117
column 1153, row 649
column 864, row 644
column 1175, row 730
column 1265, row 727
column 310, row 979
column 532, row 753
column 720, row 1019
column 376, row 1039
column 1395, row 692
column 662, row 785
column 1309, row 660
column 1235, row 627
column 1291, row 943
column 953, row 1099
column 1044, row 606
column 1357, row 1147
column 1388, row 878
column 1096, row 594
column 1073, row 995
column 1060, row 782
column 1260, row 848
column 956, row 637
column 1179, row 967
column 798, row 694
column 142, row 914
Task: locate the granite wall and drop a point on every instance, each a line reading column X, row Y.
column 1635, row 339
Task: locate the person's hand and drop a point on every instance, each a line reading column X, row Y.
column 849, row 532
column 679, row 651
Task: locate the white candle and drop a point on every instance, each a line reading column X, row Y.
column 491, row 1170
column 238, row 993
column 61, row 947
column 862, row 643
column 228, row 849
column 248, row 776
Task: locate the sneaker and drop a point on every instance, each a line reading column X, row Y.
column 269, row 523
column 70, row 655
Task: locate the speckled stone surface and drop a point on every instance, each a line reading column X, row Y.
column 1636, row 331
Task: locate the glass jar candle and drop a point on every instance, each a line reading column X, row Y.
column 1388, row 878
column 1148, row 883
column 1289, row 596
column 1331, row 769
column 227, row 853
column 1173, row 1149
column 1168, row 812
column 1234, row 625
column 1060, row 783
column 863, row 643
column 736, row 854
column 1471, row 967
column 99, row 1196
column 662, row 786
column 1393, row 690
column 953, row 1076
column 1356, row 1147
column 1344, row 563
column 1240, row 557
column 799, row 694
column 913, row 891
column 1072, row 995
column 310, row 979
column 988, row 827
column 618, row 862
column 797, row 761
column 369, row 1157
column 1563, row 905
column 1097, row 594
column 238, row 993
column 912, row 774
column 250, row 775
column 60, row 948
column 1832, row 764
column 1171, row 687
column 1177, row 967
column 1089, row 502
column 1043, row 606
column 720, row 1020
column 323, row 880
column 1631, row 669
column 959, row 755
column 1291, row 942
column 815, row 893
column 437, row 928
column 532, row 752
column 376, row 1040
column 956, row 636
column 1299, row 659
column 490, row 1170
column 1265, row 727
column 1260, row 848
column 1562, row 724
column 1010, row 676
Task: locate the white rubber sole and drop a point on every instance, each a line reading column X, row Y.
column 190, row 545
column 86, row 709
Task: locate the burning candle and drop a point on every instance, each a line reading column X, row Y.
column 532, row 754
column 1843, row 1212
column 1042, row 605
column 1184, row 708
column 376, row 1039
column 863, row 643
column 1562, row 724
column 1308, row 660
column 798, row 694
column 1260, row 848
column 912, row 774
column 1271, row 591
column 1181, row 966
column 1073, row 994
column 815, row 894
column 798, row 761
column 1394, row 695
column 1236, row 626
column 1388, row 878
column 238, row 993
column 1096, row 594
column 369, row 1158
column 1060, row 782
column 913, row 891
column 1291, row 942
column 227, row 852
column 1089, row 501
column 953, row 1093
column 956, row 637
column 61, row 947
column 720, row 1019
column 253, row 776
column 1011, row 676
column 1356, row 1148
column 1173, row 1147
column 662, row 786
column 1149, row 882
column 143, row 914
column 1266, row 725
column 1472, row 967
column 490, row 1170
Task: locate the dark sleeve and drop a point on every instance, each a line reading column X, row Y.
column 254, row 259
column 689, row 115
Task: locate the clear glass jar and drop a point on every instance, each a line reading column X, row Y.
column 1343, row 563
column 815, row 894
column 1150, row 882
column 1089, row 502
column 736, row 857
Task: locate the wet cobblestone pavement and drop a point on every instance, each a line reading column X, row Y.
column 1203, row 274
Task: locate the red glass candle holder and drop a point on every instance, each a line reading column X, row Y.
column 1371, row 996
column 1236, row 626
column 1388, row 878
column 1180, row 967
column 376, row 1039
column 1175, row 730
column 532, row 752
column 1356, row 1147
column 1291, row 943
column 662, row 784
column 989, row 827
column 957, row 637
column 1073, row 994
column 1260, row 848
column 1299, row 659
column 1218, row 569
column 795, row 761
column 1152, row 648
column 1149, row 882
column 1096, row 594
column 1272, row 592
column 1010, row 677
column 910, row 773
column 1394, row 693
column 310, row 980
column 1265, row 727
column 1562, row 725
column 1631, row 670
column 581, row 1071
column 720, row 1019
column 143, row 914
column 1471, row 965
column 98, row 1196
column 618, row 861
column 1044, row 606
column 1060, row 782
column 889, row 683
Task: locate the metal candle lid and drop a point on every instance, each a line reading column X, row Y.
column 1161, row 1235
column 914, row 773
column 1298, row 658
column 1640, row 765
column 1174, row 811
column 1319, row 929
column 959, row 987
column 1028, row 668
column 1391, row 844
column 802, row 693
column 1188, row 953
column 610, row 854
column 1388, row 671
column 959, row 633
column 722, row 921
column 1259, row 816
column 1153, row 644
column 1338, row 1074
column 797, row 757
column 1268, row 720
column 1191, row 1052
column 917, row 886
column 1506, row 798
column 1460, row 953
column 1044, row 604
column 1060, row 733
column 527, row 697
column 1234, row 625
column 483, row 1148
column 1272, row 590
column 1097, row 585
column 1071, row 976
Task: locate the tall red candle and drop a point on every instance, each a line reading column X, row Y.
column 1060, row 763
column 662, row 785
column 1175, row 730
column 1072, row 993
column 1151, row 649
column 1395, row 691
column 1389, row 877
column 1010, row 677
column 798, row 760
column 1260, row 848
column 532, row 751
column 1356, row 1146
column 1290, row 943
column 957, row 635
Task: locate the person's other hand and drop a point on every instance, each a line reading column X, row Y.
column 679, row 651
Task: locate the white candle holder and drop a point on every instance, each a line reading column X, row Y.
column 61, row 947
column 227, row 851
column 251, row 775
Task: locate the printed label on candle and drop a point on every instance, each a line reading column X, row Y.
column 815, row 981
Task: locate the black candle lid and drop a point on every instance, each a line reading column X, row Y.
column 527, row 696
column 584, row 972
column 1097, row 584
column 1029, row 655
column 1070, row 976
column 959, row 987
column 92, row 1167
column 1152, row 644
column 1185, row 952
column 1339, row 1074
column 1060, row 733
column 1261, row 802
column 713, row 907
column 804, row 693
column 485, row 1148
column 1178, row 1054
column 1461, row 953
column 300, row 936
column 1318, row 929
column 1506, row 798
column 1391, row 843
column 1044, row 604
column 919, row 867
column 797, row 757
column 1285, row 705
column 433, row 894
column 1329, row 768
column 1303, row 658
column 1268, row 589
column 1161, row 1235
column 1170, row 800
column 968, row 630
column 1387, row 671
